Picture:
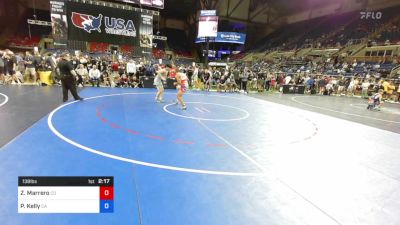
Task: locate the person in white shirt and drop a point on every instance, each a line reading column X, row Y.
column 82, row 74
column 365, row 85
column 288, row 78
column 195, row 78
column 131, row 68
column 94, row 75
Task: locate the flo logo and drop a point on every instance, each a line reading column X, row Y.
column 371, row 15
column 87, row 22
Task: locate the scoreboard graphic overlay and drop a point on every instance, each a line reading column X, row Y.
column 65, row 194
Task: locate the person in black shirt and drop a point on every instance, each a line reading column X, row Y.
column 30, row 68
column 67, row 77
column 221, row 84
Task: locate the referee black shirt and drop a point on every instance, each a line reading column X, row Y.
column 65, row 67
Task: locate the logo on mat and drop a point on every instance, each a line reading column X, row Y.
column 86, row 22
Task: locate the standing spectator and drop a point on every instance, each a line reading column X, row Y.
column 208, row 79
column 385, row 86
column 190, row 72
column 195, row 78
column 30, row 69
column 273, row 83
column 267, row 84
column 94, row 76
column 37, row 61
column 51, row 63
column 364, row 91
column 288, row 78
column 10, row 67
column 341, row 86
column 244, row 79
column 121, row 68
column 390, row 89
column 150, row 71
column 236, row 76
column 20, row 70
column 115, row 69
column 131, row 68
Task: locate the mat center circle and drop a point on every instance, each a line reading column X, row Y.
column 207, row 111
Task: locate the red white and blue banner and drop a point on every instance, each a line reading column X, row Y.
column 97, row 23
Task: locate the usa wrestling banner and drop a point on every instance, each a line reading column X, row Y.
column 87, row 22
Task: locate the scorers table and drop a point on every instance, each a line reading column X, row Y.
column 65, row 194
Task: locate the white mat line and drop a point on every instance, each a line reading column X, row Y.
column 336, row 111
column 5, row 101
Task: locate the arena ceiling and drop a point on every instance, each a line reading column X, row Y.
column 186, row 7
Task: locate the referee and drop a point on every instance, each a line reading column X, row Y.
column 68, row 75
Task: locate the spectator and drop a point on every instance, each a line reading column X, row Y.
column 82, row 74
column 288, row 78
column 310, row 84
column 390, row 91
column 221, row 84
column 244, row 78
column 10, row 67
column 30, row 70
column 94, row 76
column 131, row 68
column 123, row 81
column 365, row 86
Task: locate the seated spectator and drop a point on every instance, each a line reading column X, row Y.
column 82, row 74
column 123, row 81
column 221, row 84
column 310, row 84
column 365, row 86
column 328, row 89
column 94, row 76
column 231, row 85
column 133, row 81
column 107, row 79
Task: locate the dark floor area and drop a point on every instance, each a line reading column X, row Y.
column 26, row 105
column 347, row 108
